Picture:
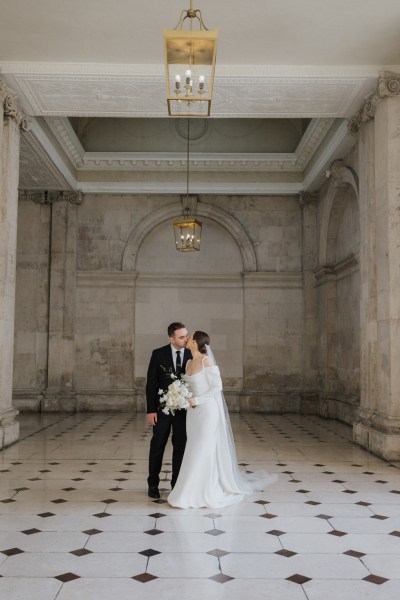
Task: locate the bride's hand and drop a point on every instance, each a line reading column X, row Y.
column 192, row 402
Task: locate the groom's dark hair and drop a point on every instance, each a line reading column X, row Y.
column 202, row 338
column 174, row 327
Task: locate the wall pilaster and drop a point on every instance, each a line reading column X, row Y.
column 378, row 424
column 308, row 204
column 12, row 120
column 60, row 394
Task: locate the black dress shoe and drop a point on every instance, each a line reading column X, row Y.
column 154, row 492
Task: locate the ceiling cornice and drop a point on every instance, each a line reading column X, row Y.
column 167, row 161
column 54, row 89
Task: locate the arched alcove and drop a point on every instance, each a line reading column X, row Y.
column 202, row 289
column 342, row 189
column 339, row 294
column 205, row 211
column 219, row 252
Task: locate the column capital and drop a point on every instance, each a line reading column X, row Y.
column 388, row 85
column 12, row 109
column 50, row 197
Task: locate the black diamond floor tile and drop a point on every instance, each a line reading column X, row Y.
column 300, row 579
column 92, row 531
column 285, row 553
column 214, row 532
column 221, row 578
column 81, row 552
column 217, row 552
column 66, row 577
column 144, row 577
column 30, row 531
column 376, row 579
column 354, row 553
column 150, row 552
column 12, row 551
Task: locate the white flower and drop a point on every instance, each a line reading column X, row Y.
column 176, row 397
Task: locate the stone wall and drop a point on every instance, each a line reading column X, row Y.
column 338, row 288
column 244, row 287
column 32, row 298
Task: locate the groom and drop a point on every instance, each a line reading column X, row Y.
column 170, row 359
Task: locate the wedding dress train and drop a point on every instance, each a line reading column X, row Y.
column 209, row 475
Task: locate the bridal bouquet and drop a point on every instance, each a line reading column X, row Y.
column 176, row 397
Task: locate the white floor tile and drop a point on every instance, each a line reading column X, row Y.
column 308, row 499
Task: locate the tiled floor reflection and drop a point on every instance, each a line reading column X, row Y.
column 76, row 522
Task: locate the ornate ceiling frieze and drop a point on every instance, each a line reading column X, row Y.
column 105, row 91
column 37, row 169
column 50, row 197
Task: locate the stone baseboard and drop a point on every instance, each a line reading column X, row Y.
column 339, row 406
column 381, row 441
column 269, row 402
column 9, row 428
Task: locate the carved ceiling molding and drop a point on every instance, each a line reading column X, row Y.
column 64, row 132
column 50, row 197
column 388, row 85
column 107, row 91
column 172, row 161
column 214, row 188
column 37, row 170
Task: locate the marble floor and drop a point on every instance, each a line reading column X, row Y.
column 76, row 523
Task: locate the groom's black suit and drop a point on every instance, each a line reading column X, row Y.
column 159, row 377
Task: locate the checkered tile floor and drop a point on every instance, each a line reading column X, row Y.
column 76, row 523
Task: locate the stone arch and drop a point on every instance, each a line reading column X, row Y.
column 344, row 181
column 205, row 210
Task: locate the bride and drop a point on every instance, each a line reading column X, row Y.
column 209, row 475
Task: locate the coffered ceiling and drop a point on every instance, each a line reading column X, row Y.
column 290, row 59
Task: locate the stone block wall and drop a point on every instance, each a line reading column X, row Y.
column 32, row 299
column 244, row 287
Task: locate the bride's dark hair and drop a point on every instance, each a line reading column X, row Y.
column 202, row 339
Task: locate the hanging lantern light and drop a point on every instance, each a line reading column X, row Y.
column 190, row 65
column 187, row 229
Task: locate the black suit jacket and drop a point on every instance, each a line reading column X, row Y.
column 159, row 374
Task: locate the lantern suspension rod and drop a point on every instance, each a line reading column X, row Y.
column 187, row 168
column 191, row 13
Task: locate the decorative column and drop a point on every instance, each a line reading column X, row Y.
column 378, row 424
column 12, row 119
column 308, row 203
column 60, row 394
column 369, row 393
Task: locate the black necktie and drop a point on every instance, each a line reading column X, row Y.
column 178, row 363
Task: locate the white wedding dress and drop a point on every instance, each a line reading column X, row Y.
column 209, row 475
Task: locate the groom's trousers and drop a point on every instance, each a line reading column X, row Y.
column 161, row 432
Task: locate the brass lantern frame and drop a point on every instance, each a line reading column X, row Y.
column 189, row 54
column 187, row 231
